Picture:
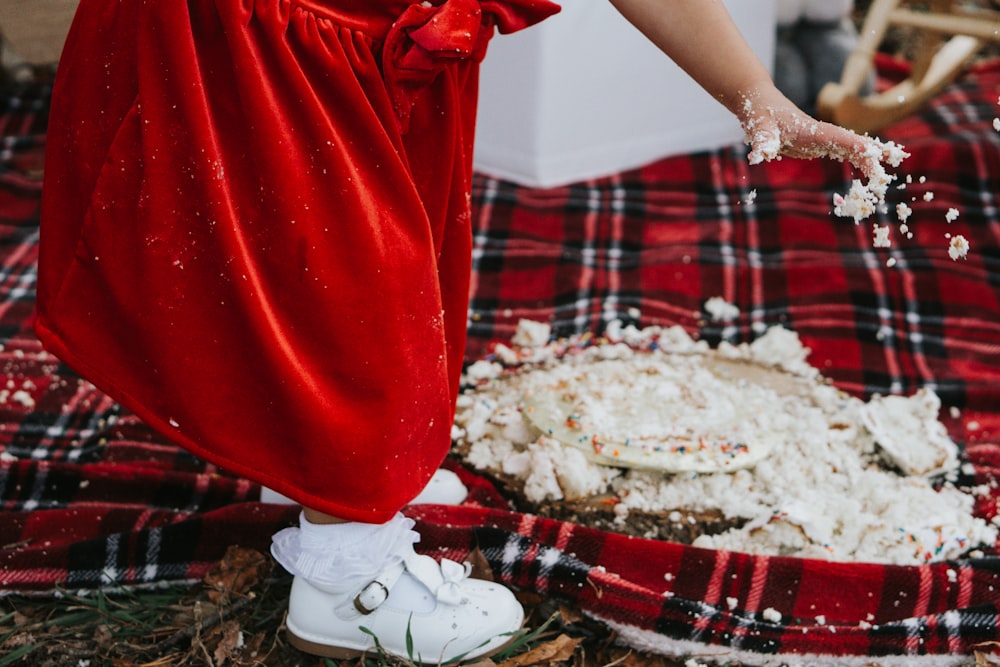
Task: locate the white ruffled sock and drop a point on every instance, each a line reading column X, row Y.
column 336, row 536
column 342, row 556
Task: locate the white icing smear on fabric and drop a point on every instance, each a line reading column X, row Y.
column 847, row 480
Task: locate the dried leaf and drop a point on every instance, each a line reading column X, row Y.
column 993, row 646
column 633, row 659
column 986, row 654
column 614, row 656
column 232, row 639
column 559, row 649
column 238, row 571
column 485, row 662
column 570, row 615
column 480, row 566
column 985, row 659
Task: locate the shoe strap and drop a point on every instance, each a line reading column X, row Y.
column 373, row 594
column 442, row 579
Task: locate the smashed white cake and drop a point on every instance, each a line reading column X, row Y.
column 864, row 197
column 867, row 196
column 833, row 477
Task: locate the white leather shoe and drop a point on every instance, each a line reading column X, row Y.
column 481, row 622
column 445, row 488
column 391, row 595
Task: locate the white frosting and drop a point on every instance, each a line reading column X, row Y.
column 908, row 431
column 821, row 492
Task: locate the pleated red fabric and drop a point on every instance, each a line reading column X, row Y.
column 256, row 230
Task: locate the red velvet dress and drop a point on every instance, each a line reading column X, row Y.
column 256, row 230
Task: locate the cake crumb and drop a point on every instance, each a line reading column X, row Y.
column 719, row 309
column 771, row 614
column 958, row 248
column 881, row 236
column 903, row 212
column 532, row 334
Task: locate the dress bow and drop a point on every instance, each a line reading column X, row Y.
column 428, row 36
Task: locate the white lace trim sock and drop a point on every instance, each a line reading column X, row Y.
column 345, row 557
column 342, row 557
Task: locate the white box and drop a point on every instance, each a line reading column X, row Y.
column 584, row 95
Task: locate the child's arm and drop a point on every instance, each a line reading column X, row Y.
column 701, row 37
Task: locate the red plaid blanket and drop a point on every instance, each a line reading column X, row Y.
column 92, row 498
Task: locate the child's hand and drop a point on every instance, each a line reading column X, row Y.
column 775, row 127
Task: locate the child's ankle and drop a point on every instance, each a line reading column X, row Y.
column 319, row 518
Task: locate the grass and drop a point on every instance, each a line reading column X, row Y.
column 235, row 617
column 170, row 626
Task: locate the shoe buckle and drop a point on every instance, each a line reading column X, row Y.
column 371, row 597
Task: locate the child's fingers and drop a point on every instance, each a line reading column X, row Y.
column 765, row 144
column 787, row 131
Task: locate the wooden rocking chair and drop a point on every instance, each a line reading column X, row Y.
column 950, row 33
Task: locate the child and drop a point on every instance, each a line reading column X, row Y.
column 256, row 236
